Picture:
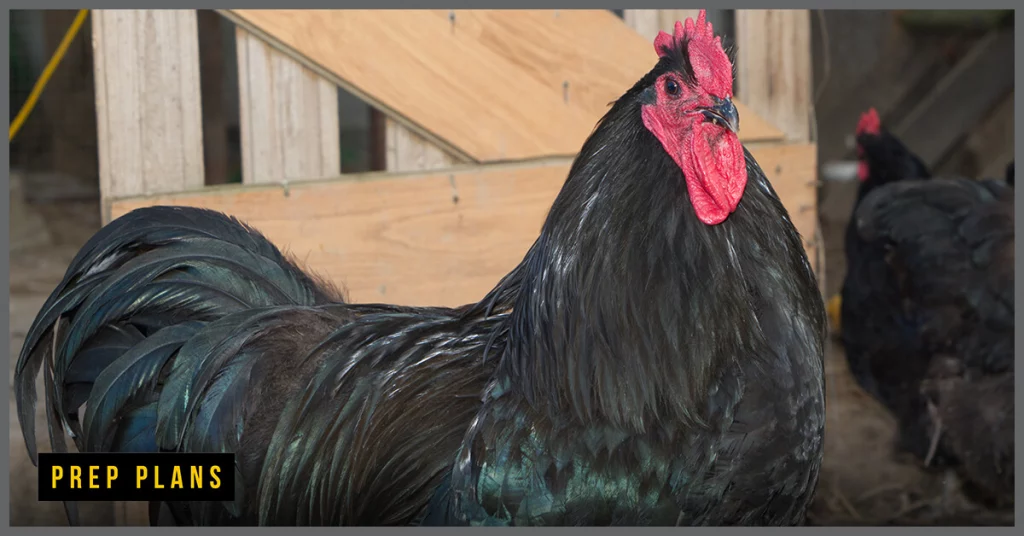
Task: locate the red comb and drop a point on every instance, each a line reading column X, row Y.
column 693, row 31
column 869, row 123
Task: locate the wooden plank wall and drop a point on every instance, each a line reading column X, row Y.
column 288, row 108
column 272, row 80
column 290, row 124
column 409, row 147
column 774, row 67
column 288, row 115
column 148, row 115
column 536, row 92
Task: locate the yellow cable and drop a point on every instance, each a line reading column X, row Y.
column 30, row 102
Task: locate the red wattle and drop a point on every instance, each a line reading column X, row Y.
column 710, row 157
column 715, row 170
column 862, row 170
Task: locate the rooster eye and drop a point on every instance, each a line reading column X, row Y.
column 672, row 87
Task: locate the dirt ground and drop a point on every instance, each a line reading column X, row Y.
column 863, row 481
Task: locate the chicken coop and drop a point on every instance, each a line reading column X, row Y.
column 480, row 113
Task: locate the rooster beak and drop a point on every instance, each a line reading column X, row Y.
column 724, row 112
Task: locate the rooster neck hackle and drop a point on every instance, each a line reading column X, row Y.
column 629, row 308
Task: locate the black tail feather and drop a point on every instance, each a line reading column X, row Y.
column 135, row 296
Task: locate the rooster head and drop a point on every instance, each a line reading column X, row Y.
column 689, row 109
column 869, row 125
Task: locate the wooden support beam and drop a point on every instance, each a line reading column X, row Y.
column 961, row 99
column 288, row 115
column 442, row 237
column 774, row 67
column 148, row 110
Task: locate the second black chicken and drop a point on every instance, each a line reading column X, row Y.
column 927, row 320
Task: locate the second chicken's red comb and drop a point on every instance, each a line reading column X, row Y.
column 693, row 31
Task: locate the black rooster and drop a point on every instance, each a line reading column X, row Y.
column 655, row 359
column 949, row 245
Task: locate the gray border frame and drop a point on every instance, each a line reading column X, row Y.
column 453, row 4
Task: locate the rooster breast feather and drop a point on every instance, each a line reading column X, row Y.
column 745, row 451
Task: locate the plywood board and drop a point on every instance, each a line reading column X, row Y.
column 148, row 109
column 435, row 238
column 483, row 85
column 288, row 115
column 429, row 238
column 773, row 71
